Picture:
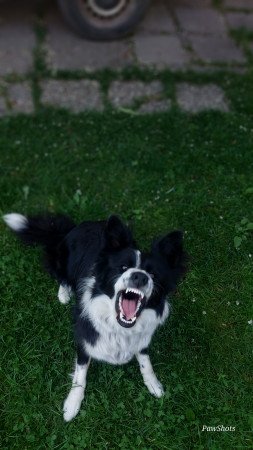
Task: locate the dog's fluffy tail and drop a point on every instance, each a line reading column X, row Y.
column 44, row 230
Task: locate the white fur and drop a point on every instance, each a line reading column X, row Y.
column 73, row 401
column 85, row 288
column 64, row 294
column 138, row 259
column 123, row 282
column 116, row 344
column 150, row 380
column 15, row 221
column 105, row 308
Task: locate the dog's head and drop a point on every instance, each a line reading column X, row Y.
column 134, row 280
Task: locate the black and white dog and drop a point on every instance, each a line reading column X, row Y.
column 120, row 292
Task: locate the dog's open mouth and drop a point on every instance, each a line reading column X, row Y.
column 128, row 306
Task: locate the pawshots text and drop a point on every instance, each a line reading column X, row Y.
column 217, row 428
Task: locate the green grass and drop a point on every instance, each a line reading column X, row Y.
column 159, row 172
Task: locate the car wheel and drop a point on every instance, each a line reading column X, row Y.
column 103, row 19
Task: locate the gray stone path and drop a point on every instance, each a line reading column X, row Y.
column 78, row 96
column 177, row 35
column 200, row 98
column 137, row 96
column 174, row 34
column 17, row 37
column 20, row 97
column 125, row 93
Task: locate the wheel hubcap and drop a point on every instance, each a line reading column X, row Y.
column 106, row 8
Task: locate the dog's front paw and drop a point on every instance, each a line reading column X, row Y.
column 155, row 387
column 64, row 294
column 72, row 403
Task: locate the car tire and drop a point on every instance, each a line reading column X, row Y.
column 103, row 19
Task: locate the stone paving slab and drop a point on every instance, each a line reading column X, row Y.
column 155, row 106
column 158, row 19
column 190, row 3
column 17, row 39
column 20, row 98
column 17, row 42
column 195, row 98
column 238, row 4
column 160, row 51
column 124, row 93
column 216, row 49
column 84, row 95
column 175, row 35
column 240, row 20
column 81, row 95
column 200, row 20
column 160, row 41
column 67, row 51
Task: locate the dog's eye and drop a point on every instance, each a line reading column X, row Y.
column 124, row 268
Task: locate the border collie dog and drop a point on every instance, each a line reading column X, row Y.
column 120, row 291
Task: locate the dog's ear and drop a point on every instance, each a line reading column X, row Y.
column 117, row 234
column 171, row 246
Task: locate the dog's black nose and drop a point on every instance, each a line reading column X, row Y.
column 138, row 279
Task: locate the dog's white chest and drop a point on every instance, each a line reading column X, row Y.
column 117, row 347
column 115, row 344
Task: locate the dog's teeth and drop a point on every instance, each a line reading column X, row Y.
column 138, row 306
column 127, row 321
column 135, row 291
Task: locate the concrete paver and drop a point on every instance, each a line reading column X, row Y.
column 238, row 4
column 17, row 42
column 195, row 98
column 81, row 95
column 199, row 20
column 67, row 51
column 190, row 3
column 17, row 38
column 158, row 19
column 20, row 97
column 124, row 93
column 216, row 49
column 174, row 35
column 240, row 20
column 160, row 51
column 155, row 106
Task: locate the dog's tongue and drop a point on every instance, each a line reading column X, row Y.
column 129, row 308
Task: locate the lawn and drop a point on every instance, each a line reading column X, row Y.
column 159, row 172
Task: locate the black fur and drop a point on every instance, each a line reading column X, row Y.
column 83, row 328
column 101, row 249
column 117, row 289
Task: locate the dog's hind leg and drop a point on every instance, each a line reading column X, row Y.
column 149, row 377
column 73, row 401
column 64, row 294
